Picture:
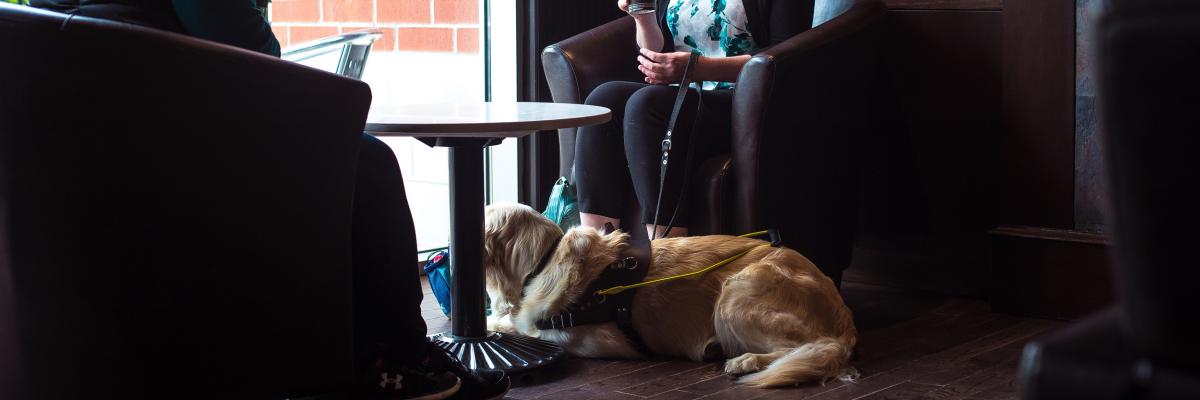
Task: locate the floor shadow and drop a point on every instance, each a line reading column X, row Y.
column 875, row 307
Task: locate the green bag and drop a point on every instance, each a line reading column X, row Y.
column 21, row 2
column 562, row 208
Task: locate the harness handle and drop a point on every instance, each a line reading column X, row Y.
column 619, row 289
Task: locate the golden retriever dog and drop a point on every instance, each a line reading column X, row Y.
column 777, row 319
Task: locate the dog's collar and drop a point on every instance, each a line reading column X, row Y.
column 632, row 266
column 541, row 265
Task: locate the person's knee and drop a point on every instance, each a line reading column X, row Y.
column 649, row 101
column 372, row 144
column 645, row 119
column 376, row 154
column 609, row 94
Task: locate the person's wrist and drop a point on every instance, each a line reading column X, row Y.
column 644, row 18
column 636, row 7
column 698, row 69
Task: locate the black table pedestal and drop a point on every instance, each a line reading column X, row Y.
column 469, row 339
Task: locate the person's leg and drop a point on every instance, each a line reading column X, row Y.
column 387, row 284
column 600, row 173
column 715, row 126
column 392, row 355
column 645, row 129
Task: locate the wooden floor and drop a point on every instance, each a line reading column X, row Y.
column 911, row 346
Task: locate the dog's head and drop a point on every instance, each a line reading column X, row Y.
column 515, row 239
column 579, row 260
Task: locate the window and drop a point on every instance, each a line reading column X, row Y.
column 431, row 51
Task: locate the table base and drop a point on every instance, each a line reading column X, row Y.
column 501, row 351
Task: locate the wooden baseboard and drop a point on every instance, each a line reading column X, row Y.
column 1048, row 273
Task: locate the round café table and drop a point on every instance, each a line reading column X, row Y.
column 467, row 128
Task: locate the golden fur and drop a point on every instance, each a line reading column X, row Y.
column 780, row 319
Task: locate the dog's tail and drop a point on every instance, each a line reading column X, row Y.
column 821, row 360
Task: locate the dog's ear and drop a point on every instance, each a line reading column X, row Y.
column 616, row 240
column 580, row 239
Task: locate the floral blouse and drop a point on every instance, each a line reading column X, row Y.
column 710, row 28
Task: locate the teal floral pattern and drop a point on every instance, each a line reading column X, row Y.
column 711, row 28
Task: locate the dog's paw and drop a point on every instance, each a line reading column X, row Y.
column 501, row 324
column 742, row 365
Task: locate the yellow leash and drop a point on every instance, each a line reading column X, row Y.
column 619, row 289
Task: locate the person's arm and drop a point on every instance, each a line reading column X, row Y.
column 649, row 35
column 233, row 22
column 788, row 19
column 667, row 68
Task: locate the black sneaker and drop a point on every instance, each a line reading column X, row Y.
column 484, row 385
column 410, row 383
column 476, row 385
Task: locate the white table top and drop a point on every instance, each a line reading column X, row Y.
column 480, row 119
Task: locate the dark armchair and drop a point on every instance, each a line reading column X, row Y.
column 1146, row 346
column 799, row 109
column 174, row 215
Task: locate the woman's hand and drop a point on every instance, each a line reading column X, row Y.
column 663, row 68
column 623, row 5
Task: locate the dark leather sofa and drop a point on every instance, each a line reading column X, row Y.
column 799, row 111
column 174, row 215
column 1146, row 346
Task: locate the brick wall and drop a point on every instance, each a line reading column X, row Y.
column 438, row 26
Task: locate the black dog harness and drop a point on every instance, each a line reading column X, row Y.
column 631, row 267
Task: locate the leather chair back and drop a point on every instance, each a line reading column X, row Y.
column 1144, row 347
column 174, row 215
column 1149, row 55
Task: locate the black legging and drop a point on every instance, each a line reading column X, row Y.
column 634, row 137
column 387, row 284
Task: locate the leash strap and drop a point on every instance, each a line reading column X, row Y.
column 621, row 288
column 618, row 289
column 680, row 96
column 611, row 302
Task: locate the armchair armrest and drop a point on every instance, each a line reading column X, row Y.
column 577, row 65
column 355, row 47
column 800, row 106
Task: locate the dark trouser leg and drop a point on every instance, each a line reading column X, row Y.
column 600, row 173
column 387, row 285
column 647, row 115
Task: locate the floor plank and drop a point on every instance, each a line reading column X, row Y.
column 903, row 391
column 911, row 346
column 672, row 382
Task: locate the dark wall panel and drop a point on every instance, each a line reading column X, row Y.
column 979, row 131
column 1049, row 273
column 928, row 183
column 1090, row 189
column 1039, row 104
